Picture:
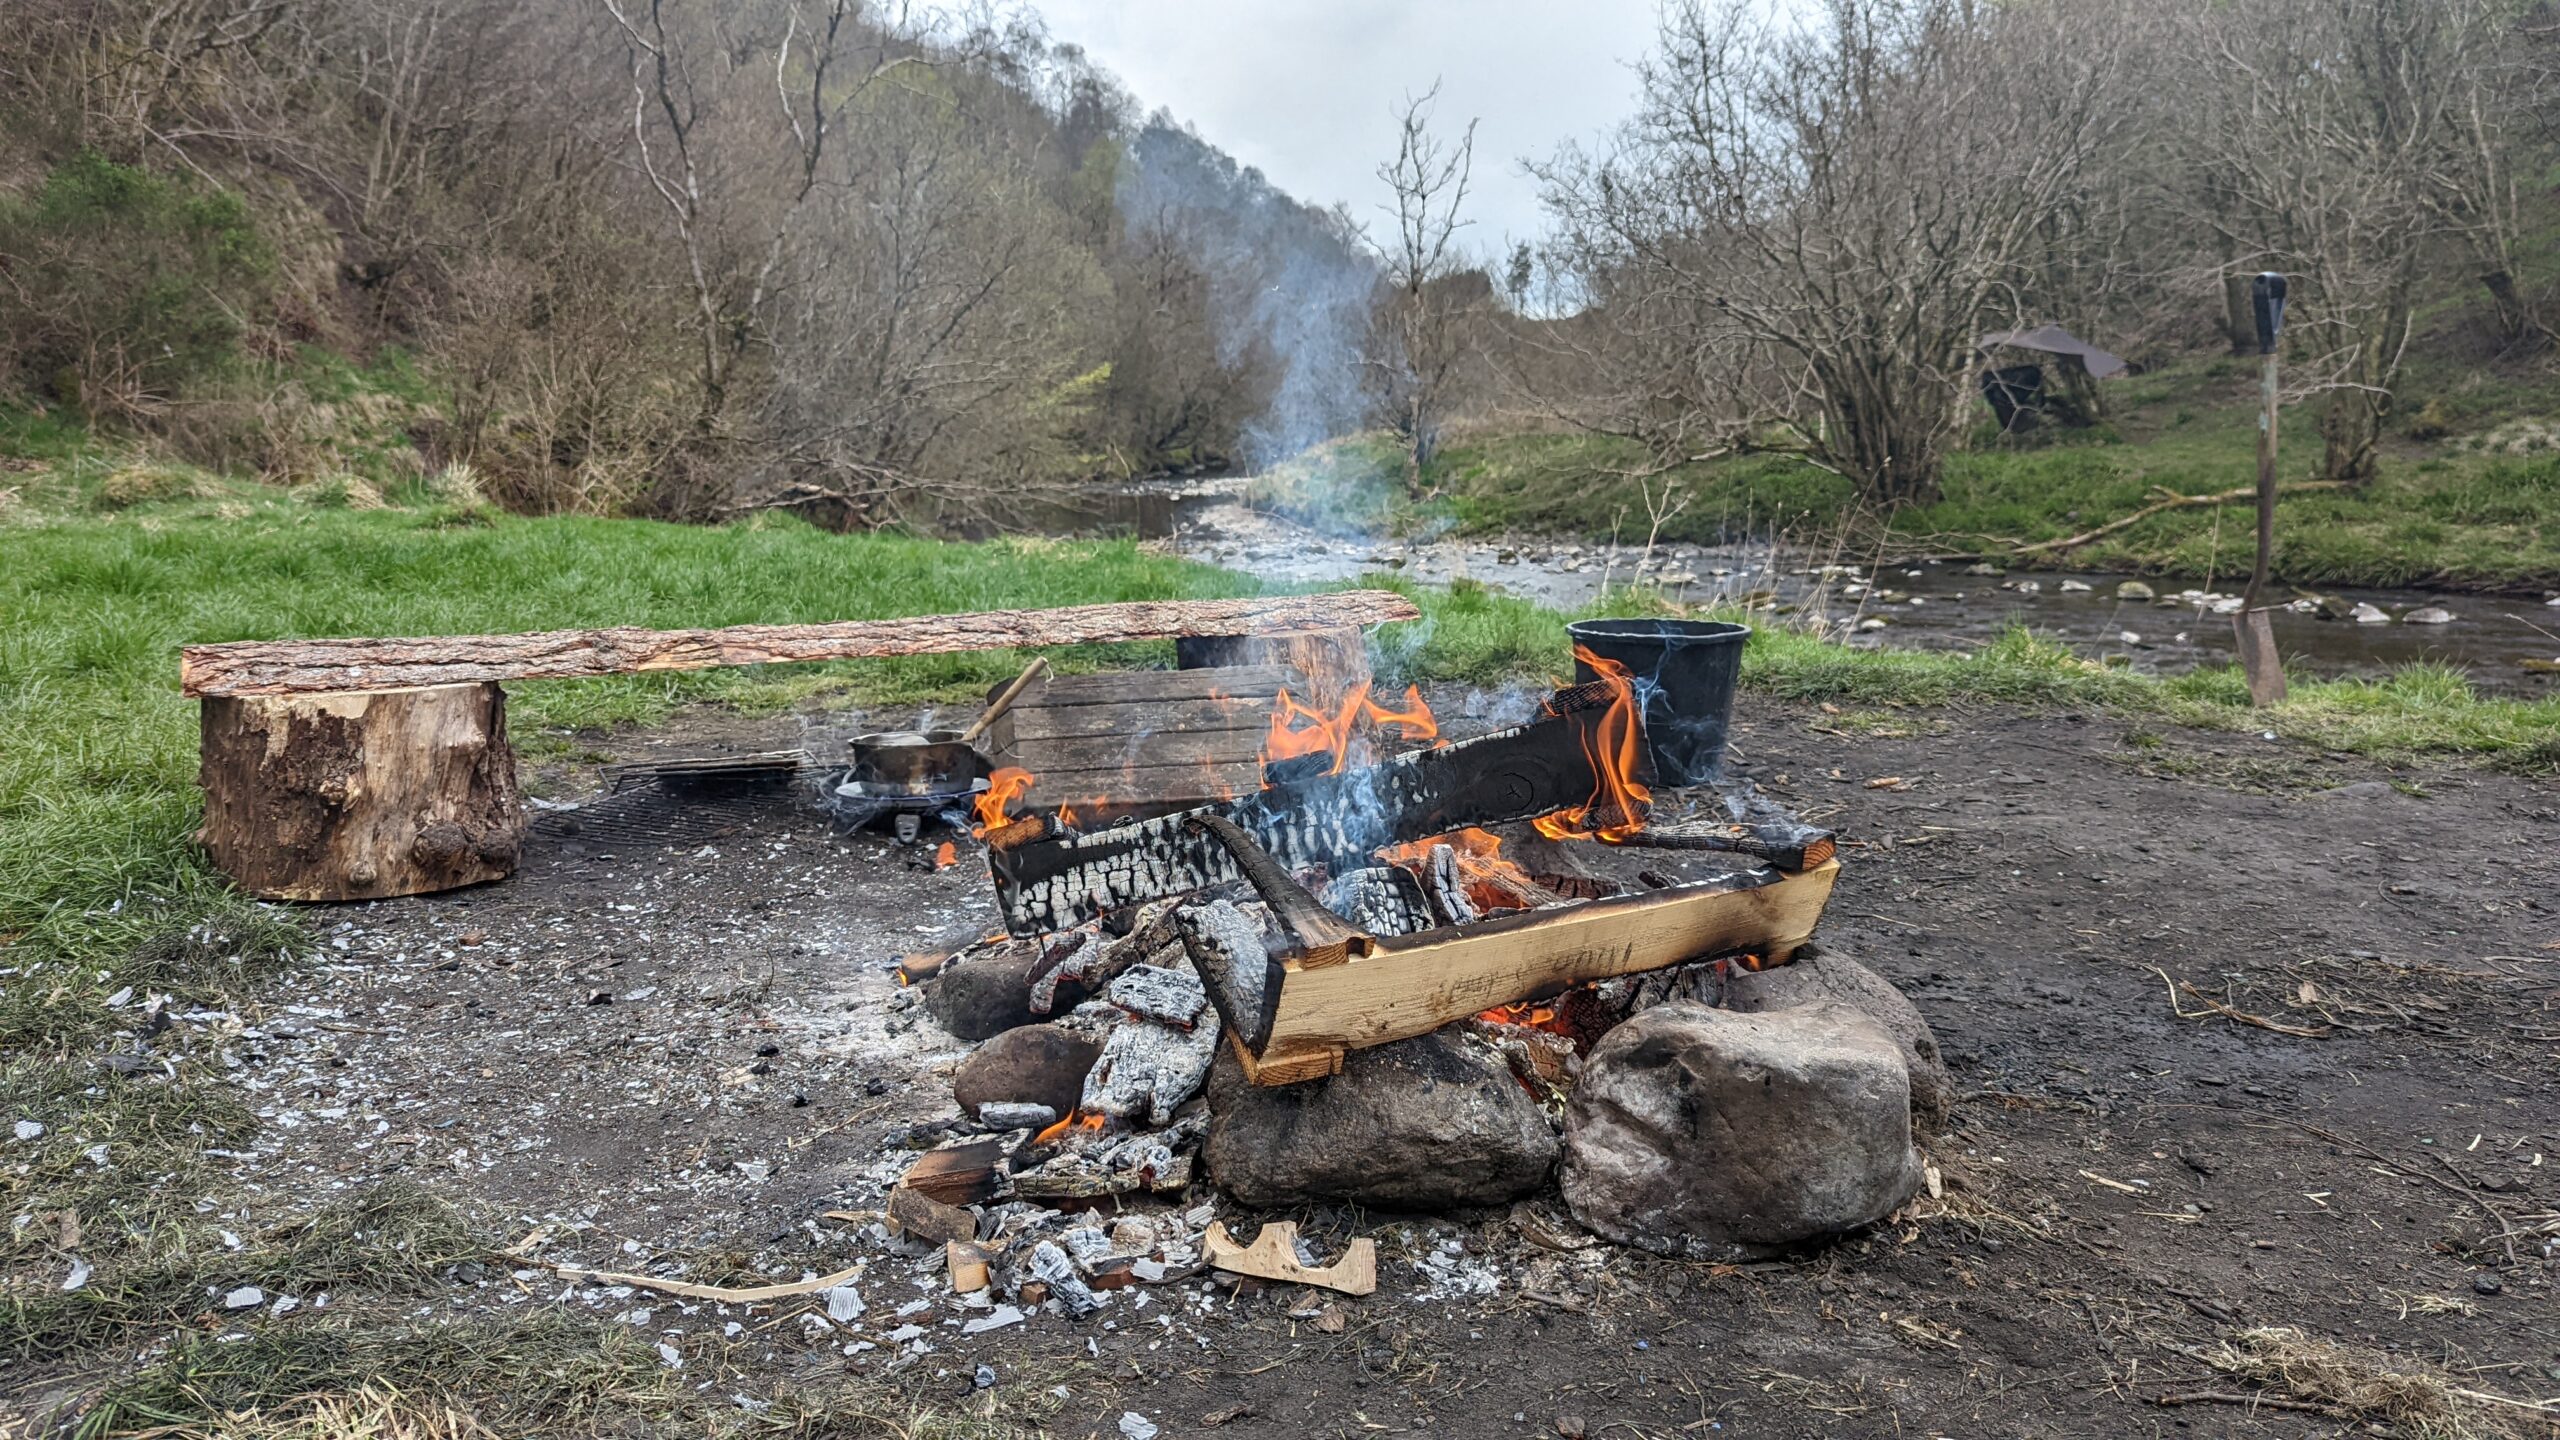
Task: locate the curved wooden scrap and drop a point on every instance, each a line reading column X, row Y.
column 1273, row 1255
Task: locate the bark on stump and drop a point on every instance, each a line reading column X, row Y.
column 362, row 795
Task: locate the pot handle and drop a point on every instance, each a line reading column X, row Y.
column 1033, row 671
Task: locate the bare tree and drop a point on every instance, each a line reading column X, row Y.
column 736, row 191
column 1426, row 294
column 1821, row 216
column 2343, row 128
column 2505, row 83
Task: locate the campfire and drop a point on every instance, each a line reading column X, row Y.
column 1343, row 905
column 1388, row 969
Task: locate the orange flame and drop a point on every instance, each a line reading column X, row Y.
column 1003, row 788
column 1492, row 882
column 1618, row 798
column 1535, row 1016
column 1075, row 1120
column 944, row 854
column 1298, row 728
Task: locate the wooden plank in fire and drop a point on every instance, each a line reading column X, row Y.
column 1050, row 878
column 1392, row 987
column 1142, row 742
column 1333, row 989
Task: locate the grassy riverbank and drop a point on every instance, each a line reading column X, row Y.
column 101, row 891
column 2473, row 505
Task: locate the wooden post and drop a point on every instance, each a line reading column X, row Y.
column 363, row 795
column 2254, row 633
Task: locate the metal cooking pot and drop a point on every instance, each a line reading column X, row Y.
column 929, row 762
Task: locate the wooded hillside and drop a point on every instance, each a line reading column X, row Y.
column 629, row 255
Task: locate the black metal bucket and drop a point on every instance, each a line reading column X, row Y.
column 1684, row 673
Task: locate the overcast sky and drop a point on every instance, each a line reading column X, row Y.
column 1307, row 90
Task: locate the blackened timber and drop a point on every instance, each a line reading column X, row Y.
column 1053, row 880
column 1319, row 936
column 1786, row 843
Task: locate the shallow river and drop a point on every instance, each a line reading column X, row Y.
column 1933, row 606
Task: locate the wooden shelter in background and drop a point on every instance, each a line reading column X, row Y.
column 2060, row 388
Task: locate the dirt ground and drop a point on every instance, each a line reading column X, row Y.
column 634, row 1052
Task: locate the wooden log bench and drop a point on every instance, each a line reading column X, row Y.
column 355, row 769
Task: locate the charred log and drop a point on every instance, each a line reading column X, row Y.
column 1050, row 879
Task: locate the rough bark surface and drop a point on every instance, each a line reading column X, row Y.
column 356, row 797
column 285, row 667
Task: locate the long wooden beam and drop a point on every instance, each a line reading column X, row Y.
column 296, row 667
column 1412, row 984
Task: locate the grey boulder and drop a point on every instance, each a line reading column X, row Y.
column 1701, row 1132
column 1030, row 1065
column 1422, row 1124
column 1824, row 975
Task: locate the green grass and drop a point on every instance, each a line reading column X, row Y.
column 2476, row 508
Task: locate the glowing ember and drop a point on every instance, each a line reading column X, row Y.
column 1524, row 1013
column 1619, row 800
column 944, row 854
column 1492, row 882
column 1003, row 788
column 1298, row 728
column 1076, row 1120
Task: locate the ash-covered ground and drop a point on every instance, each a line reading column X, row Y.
column 2245, row 1035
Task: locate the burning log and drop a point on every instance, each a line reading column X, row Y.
column 1049, row 878
column 1295, row 1014
column 286, row 667
column 1147, row 1070
column 1380, row 899
column 1786, row 843
column 1446, row 887
column 1154, row 992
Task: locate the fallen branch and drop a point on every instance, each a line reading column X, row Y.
column 2215, row 1007
column 2173, row 501
column 2226, row 1397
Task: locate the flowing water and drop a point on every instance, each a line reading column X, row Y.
column 1928, row 606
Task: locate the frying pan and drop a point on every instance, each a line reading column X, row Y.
column 933, row 761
